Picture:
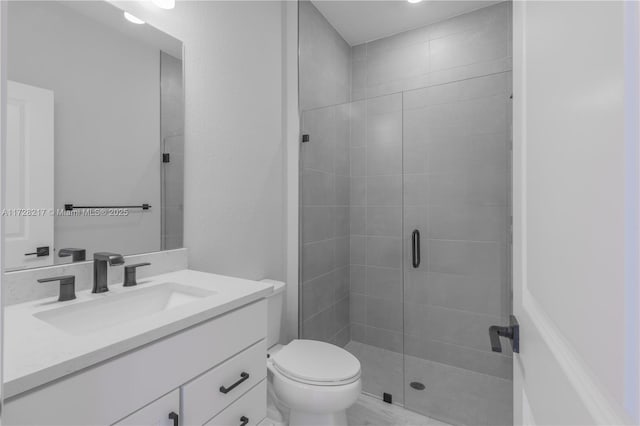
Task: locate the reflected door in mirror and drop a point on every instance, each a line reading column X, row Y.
column 29, row 205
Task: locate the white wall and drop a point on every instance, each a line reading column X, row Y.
column 234, row 158
column 107, row 123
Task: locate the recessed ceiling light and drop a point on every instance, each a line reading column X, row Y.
column 133, row 19
column 414, row 1
column 164, row 4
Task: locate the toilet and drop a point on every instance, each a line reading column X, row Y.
column 311, row 383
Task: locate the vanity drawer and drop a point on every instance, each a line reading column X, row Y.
column 160, row 412
column 247, row 411
column 207, row 395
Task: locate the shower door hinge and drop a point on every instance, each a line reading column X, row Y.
column 166, row 157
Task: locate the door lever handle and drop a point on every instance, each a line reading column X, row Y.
column 511, row 332
column 40, row 252
column 173, row 416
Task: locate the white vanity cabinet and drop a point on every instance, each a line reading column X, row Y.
column 182, row 373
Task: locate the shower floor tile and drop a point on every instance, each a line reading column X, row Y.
column 370, row 411
column 456, row 395
column 382, row 370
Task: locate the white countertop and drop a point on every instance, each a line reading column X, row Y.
column 36, row 352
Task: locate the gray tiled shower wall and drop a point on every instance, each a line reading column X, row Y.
column 426, row 139
column 467, row 46
column 376, row 256
column 325, row 225
column 325, row 61
column 172, row 134
column 325, row 73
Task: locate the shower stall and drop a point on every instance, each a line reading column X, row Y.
column 405, row 208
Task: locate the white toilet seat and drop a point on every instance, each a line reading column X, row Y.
column 316, row 363
column 316, row 381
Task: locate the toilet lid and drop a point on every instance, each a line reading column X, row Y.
column 316, row 362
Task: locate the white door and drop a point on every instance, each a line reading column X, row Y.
column 29, row 177
column 575, row 212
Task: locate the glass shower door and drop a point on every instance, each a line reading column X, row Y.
column 456, row 202
column 324, row 216
column 351, row 253
column 427, row 168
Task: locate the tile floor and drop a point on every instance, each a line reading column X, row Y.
column 452, row 394
column 370, row 411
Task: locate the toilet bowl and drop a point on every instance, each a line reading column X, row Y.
column 311, row 383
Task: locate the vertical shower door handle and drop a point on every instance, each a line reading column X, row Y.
column 415, row 248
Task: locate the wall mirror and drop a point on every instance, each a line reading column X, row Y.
column 95, row 113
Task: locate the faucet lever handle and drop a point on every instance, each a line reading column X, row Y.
column 130, row 273
column 67, row 286
column 136, row 265
column 78, row 254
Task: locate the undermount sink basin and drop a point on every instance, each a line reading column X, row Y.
column 113, row 309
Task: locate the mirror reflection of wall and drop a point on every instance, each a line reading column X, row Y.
column 94, row 102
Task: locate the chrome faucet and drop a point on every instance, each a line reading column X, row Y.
column 100, row 262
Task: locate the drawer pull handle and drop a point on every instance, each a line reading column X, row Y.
column 174, row 416
column 243, row 376
column 244, row 420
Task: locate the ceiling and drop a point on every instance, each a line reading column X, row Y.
column 359, row 21
column 110, row 14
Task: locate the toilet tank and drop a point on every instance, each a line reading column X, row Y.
column 274, row 311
